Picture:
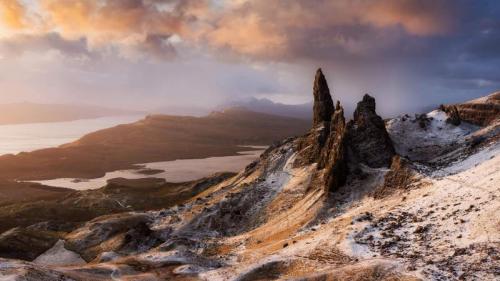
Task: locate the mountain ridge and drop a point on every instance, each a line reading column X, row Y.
column 413, row 198
column 152, row 139
column 27, row 112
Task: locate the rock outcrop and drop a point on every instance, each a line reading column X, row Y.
column 328, row 142
column 277, row 219
column 399, row 177
column 482, row 112
column 333, row 158
column 453, row 114
column 323, row 104
column 367, row 137
column 324, row 144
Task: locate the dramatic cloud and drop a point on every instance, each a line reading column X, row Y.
column 143, row 25
column 257, row 28
column 281, row 28
column 411, row 53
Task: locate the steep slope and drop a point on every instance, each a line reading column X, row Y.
column 325, row 206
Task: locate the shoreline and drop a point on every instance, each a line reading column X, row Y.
column 172, row 171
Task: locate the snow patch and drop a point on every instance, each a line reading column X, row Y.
column 58, row 255
column 435, row 137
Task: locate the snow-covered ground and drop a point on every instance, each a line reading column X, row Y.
column 448, row 229
column 434, row 138
column 276, row 220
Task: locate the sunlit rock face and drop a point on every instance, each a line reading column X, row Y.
column 482, row 112
column 309, row 208
column 333, row 158
column 324, row 144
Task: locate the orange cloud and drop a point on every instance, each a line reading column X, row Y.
column 12, row 14
column 247, row 35
column 252, row 28
column 417, row 17
column 264, row 28
column 109, row 20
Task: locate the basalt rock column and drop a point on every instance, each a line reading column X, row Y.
column 323, row 104
column 333, row 157
column 367, row 136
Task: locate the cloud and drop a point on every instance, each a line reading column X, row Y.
column 406, row 51
column 18, row 45
column 257, row 29
column 12, row 14
column 279, row 29
column 129, row 26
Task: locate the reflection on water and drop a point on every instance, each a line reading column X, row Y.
column 173, row 171
column 29, row 137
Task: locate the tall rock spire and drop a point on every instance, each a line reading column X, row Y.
column 323, row 104
column 367, row 137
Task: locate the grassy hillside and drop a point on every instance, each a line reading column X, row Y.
column 155, row 138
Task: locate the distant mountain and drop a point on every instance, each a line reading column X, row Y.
column 301, row 111
column 182, row 110
column 414, row 198
column 154, row 138
column 25, row 112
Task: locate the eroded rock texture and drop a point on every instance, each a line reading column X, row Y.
column 324, row 144
column 367, row 137
column 323, row 104
column 400, row 177
column 481, row 112
column 333, row 157
column 453, row 115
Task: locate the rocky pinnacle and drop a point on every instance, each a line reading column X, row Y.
column 367, row 136
column 323, row 104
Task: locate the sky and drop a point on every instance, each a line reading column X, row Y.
column 151, row 54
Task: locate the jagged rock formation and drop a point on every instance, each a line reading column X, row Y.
column 333, row 158
column 277, row 220
column 367, row 137
column 481, row 112
column 323, row 104
column 324, row 144
column 330, row 139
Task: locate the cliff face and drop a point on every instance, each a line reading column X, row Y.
column 323, row 104
column 335, row 145
column 324, row 145
column 482, row 112
column 367, row 136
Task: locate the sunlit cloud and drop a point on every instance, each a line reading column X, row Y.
column 257, row 28
column 398, row 49
column 12, row 14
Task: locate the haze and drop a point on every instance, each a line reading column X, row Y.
column 153, row 54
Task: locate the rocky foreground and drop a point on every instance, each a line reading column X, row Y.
column 412, row 198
